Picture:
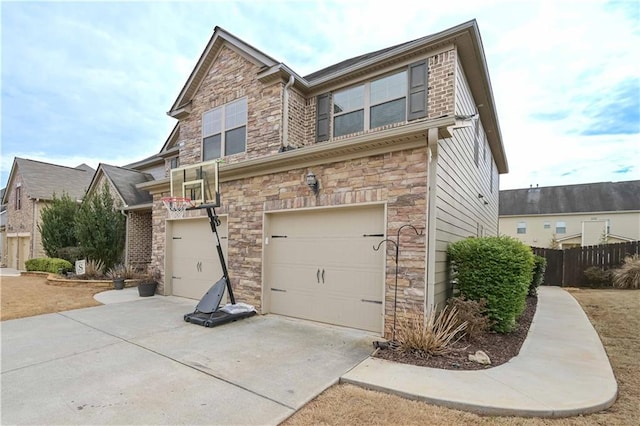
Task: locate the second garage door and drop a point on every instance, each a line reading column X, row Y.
column 321, row 266
column 195, row 265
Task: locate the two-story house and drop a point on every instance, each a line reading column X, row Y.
column 30, row 187
column 404, row 135
column 572, row 215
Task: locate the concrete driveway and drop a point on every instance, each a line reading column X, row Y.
column 139, row 363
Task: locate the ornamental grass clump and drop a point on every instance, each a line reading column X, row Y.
column 628, row 275
column 496, row 269
column 432, row 337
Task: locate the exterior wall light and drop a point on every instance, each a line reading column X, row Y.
column 312, row 182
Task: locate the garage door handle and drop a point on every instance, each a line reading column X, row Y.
column 377, row 302
column 278, row 289
column 318, row 276
column 323, row 276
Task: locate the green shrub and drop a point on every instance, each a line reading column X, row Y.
column 595, row 277
column 539, row 267
column 56, row 224
column 48, row 264
column 497, row 269
column 100, row 228
column 628, row 275
column 70, row 253
column 474, row 313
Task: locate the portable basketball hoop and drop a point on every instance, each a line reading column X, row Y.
column 176, row 206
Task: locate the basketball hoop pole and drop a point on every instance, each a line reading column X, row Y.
column 214, row 222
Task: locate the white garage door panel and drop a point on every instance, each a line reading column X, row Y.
column 324, row 268
column 195, row 263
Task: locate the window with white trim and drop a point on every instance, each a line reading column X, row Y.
column 561, row 227
column 224, row 130
column 174, row 162
column 374, row 104
column 547, row 225
column 521, row 228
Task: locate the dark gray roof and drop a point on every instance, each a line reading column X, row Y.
column 589, row 197
column 42, row 180
column 352, row 61
column 125, row 181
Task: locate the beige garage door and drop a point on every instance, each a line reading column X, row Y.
column 195, row 265
column 321, row 266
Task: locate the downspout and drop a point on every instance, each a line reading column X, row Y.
column 126, row 235
column 285, row 116
column 432, row 187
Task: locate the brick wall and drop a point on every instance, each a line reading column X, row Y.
column 232, row 77
column 139, row 239
column 441, row 90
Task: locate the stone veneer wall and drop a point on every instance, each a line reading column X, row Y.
column 398, row 178
column 233, row 77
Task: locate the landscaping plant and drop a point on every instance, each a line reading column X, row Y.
column 474, row 313
column 497, row 269
column 100, row 228
column 94, row 269
column 433, row 337
column 47, row 264
column 595, row 277
column 56, row 225
column 628, row 275
column 539, row 268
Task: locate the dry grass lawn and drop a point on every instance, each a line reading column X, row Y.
column 614, row 314
column 30, row 295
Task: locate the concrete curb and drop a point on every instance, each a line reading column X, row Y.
column 562, row 370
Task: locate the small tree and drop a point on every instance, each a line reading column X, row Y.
column 56, row 226
column 100, row 228
column 554, row 244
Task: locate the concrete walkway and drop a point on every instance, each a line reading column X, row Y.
column 9, row 272
column 562, row 370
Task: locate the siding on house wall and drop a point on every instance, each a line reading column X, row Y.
column 20, row 223
column 624, row 224
column 460, row 213
column 139, row 239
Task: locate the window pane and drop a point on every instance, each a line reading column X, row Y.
column 211, row 148
column 561, row 227
column 234, row 140
column 348, row 123
column 388, row 113
column 236, row 114
column 388, row 88
column 522, row 228
column 212, row 122
column 547, row 225
column 348, row 100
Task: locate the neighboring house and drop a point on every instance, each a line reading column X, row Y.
column 135, row 204
column 3, row 234
column 572, row 215
column 404, row 135
column 31, row 185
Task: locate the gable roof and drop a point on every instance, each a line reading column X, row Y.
column 124, row 181
column 583, row 198
column 42, row 180
column 465, row 36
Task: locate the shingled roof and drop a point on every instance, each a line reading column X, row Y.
column 125, row 180
column 43, row 180
column 584, row 198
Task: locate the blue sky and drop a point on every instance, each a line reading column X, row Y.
column 90, row 82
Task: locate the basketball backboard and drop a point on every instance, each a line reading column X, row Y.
column 198, row 182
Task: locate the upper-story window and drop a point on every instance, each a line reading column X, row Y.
column 561, row 227
column 224, row 130
column 174, row 162
column 521, row 228
column 18, row 197
column 370, row 105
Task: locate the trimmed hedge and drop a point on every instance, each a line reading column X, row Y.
column 47, row 264
column 539, row 266
column 497, row 269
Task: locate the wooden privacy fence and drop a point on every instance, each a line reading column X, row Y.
column 566, row 267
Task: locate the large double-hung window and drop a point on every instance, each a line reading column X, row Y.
column 370, row 105
column 224, row 130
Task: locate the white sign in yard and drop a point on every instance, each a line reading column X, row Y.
column 80, row 265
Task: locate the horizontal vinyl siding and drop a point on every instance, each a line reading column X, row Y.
column 459, row 210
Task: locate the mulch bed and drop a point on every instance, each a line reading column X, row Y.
column 500, row 347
